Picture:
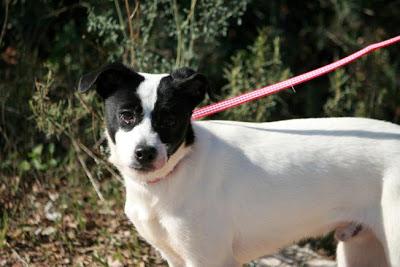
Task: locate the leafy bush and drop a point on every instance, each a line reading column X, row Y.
column 357, row 93
column 152, row 35
column 261, row 64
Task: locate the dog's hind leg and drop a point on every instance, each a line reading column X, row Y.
column 364, row 250
column 391, row 217
column 347, row 231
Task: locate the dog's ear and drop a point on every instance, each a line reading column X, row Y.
column 108, row 79
column 192, row 84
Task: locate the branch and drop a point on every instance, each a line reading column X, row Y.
column 135, row 10
column 85, row 168
column 121, row 20
column 131, row 35
column 95, row 157
column 22, row 260
column 191, row 20
column 178, row 33
column 3, row 30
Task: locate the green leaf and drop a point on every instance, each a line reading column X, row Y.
column 37, row 150
column 24, row 166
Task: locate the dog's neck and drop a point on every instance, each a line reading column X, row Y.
column 144, row 195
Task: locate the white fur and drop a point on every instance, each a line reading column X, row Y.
column 362, row 250
column 245, row 189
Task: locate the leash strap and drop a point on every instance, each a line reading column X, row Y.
column 272, row 89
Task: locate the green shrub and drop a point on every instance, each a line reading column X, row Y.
column 260, row 65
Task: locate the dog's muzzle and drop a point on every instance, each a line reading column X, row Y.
column 146, row 159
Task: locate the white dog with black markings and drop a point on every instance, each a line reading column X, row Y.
column 221, row 193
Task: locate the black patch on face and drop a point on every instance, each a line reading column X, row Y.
column 177, row 96
column 171, row 117
column 122, row 101
column 117, row 85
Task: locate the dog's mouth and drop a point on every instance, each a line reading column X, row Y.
column 147, row 168
column 152, row 172
column 142, row 168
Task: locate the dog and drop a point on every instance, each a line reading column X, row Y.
column 222, row 193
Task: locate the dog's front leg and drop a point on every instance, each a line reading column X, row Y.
column 207, row 248
column 172, row 261
column 213, row 255
column 168, row 254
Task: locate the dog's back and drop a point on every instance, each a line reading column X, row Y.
column 294, row 178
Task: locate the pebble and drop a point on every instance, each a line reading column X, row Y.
column 294, row 256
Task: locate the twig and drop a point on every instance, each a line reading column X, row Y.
column 81, row 161
column 135, row 10
column 191, row 20
column 136, row 15
column 131, row 35
column 178, row 33
column 95, row 157
column 91, row 111
column 99, row 141
column 181, row 58
column 121, row 20
column 150, row 25
column 3, row 30
column 3, row 132
column 22, row 260
column 58, row 12
column 89, row 108
column 85, row 168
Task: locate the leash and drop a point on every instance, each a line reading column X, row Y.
column 272, row 89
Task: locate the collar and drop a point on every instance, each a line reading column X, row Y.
column 178, row 157
column 158, row 179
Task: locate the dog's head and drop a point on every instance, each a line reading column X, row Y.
column 147, row 115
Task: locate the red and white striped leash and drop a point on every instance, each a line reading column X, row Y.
column 272, row 89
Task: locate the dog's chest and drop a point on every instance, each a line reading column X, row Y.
column 144, row 213
column 149, row 228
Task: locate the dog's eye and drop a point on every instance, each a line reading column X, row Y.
column 127, row 118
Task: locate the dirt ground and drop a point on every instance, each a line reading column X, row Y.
column 64, row 223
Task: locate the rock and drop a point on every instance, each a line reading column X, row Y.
column 294, row 256
column 321, row 263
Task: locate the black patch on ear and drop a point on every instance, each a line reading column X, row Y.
column 191, row 85
column 124, row 99
column 116, row 84
column 177, row 96
column 110, row 78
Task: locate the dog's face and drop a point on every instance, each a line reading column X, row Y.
column 147, row 115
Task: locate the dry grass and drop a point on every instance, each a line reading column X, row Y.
column 64, row 224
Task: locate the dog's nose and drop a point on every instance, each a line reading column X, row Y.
column 145, row 154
